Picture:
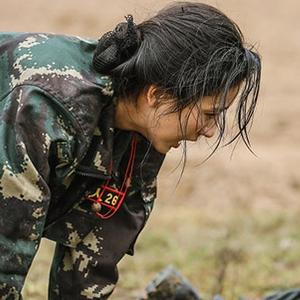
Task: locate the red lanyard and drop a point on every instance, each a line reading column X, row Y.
column 107, row 200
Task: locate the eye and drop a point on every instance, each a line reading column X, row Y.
column 215, row 114
column 212, row 115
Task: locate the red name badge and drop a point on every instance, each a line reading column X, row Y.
column 106, row 201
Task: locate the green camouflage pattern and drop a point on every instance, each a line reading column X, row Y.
column 57, row 142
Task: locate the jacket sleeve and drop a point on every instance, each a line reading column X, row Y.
column 32, row 133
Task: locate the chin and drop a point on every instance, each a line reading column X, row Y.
column 160, row 147
column 163, row 149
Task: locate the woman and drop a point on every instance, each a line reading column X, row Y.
column 85, row 126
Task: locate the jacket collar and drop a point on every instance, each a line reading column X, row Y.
column 97, row 160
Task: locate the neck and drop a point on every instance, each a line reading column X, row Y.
column 131, row 117
column 125, row 115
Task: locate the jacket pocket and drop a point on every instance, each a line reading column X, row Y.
column 72, row 228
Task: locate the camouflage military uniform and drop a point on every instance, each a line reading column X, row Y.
column 57, row 143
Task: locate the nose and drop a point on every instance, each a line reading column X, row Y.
column 209, row 131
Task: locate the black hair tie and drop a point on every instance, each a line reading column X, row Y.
column 115, row 47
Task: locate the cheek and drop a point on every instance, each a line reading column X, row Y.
column 166, row 128
column 195, row 124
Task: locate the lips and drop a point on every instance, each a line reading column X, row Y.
column 176, row 145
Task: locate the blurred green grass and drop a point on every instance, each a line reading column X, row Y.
column 240, row 253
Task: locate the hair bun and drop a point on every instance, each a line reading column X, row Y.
column 115, row 47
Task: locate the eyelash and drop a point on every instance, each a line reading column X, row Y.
column 212, row 115
column 215, row 115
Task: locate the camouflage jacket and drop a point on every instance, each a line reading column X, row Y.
column 57, row 145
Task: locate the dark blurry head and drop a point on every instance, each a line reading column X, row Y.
column 188, row 51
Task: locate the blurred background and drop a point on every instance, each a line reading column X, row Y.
column 231, row 225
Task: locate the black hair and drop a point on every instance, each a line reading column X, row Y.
column 188, row 51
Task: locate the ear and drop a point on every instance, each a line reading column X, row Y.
column 151, row 96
